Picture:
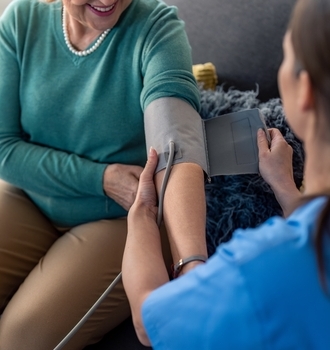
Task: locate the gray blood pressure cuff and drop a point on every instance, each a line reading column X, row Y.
column 171, row 119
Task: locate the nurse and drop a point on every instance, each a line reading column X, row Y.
column 267, row 288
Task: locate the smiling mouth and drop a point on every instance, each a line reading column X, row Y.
column 103, row 9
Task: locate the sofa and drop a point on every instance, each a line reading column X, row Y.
column 243, row 40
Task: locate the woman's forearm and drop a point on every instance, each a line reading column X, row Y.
column 185, row 211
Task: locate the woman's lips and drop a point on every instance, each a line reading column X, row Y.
column 103, row 10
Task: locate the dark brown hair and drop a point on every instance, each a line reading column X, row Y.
column 310, row 35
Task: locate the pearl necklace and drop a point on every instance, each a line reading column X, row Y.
column 69, row 45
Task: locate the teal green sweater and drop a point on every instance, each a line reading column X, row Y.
column 63, row 118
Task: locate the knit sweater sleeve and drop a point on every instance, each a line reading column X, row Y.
column 24, row 164
column 166, row 60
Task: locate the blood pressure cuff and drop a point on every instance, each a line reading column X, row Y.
column 171, row 119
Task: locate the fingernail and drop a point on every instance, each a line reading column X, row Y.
column 150, row 150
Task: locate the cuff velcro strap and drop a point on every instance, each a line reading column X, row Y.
column 177, row 268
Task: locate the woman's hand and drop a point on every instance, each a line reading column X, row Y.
column 275, row 166
column 120, row 182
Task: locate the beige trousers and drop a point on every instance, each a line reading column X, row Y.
column 50, row 277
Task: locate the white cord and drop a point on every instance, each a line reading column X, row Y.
column 75, row 329
column 164, row 183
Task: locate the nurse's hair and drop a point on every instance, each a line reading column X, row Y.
column 310, row 35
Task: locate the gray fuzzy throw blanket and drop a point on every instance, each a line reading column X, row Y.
column 241, row 201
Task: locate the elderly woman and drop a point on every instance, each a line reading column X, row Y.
column 267, row 288
column 85, row 86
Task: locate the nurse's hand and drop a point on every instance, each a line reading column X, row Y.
column 275, row 160
column 146, row 198
column 275, row 166
column 120, row 182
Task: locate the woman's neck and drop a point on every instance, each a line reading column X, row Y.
column 81, row 36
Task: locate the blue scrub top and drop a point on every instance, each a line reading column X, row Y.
column 258, row 291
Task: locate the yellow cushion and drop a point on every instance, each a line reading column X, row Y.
column 206, row 75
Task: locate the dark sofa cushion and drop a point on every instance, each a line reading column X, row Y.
column 243, row 39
